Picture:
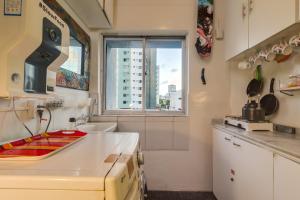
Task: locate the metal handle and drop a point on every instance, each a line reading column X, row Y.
column 272, row 85
column 231, row 179
column 140, row 158
column 232, row 172
column 251, row 5
column 123, row 178
column 227, row 139
column 237, row 145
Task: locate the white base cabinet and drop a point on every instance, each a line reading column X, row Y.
column 241, row 171
column 221, row 165
column 286, row 179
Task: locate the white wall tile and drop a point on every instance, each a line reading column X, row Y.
column 181, row 119
column 104, row 119
column 138, row 126
column 181, row 135
column 159, row 119
column 131, row 119
column 159, row 135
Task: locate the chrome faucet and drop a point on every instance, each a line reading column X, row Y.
column 83, row 119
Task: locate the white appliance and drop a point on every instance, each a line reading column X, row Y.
column 101, row 166
column 248, row 125
column 33, row 46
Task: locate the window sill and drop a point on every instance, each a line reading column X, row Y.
column 144, row 114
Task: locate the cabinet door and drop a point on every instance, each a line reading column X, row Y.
column 109, row 10
column 90, row 12
column 221, row 165
column 101, row 2
column 268, row 17
column 236, row 27
column 253, row 169
column 286, row 179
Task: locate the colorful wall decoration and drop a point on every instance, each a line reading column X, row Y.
column 66, row 78
column 204, row 28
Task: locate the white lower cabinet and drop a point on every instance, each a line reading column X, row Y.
column 241, row 171
column 286, row 179
column 221, row 165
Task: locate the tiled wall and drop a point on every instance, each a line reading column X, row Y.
column 11, row 128
column 288, row 113
column 156, row 133
column 178, row 154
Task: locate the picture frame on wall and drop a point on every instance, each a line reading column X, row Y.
column 74, row 74
column 13, row 7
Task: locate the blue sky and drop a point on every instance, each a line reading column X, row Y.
column 170, row 61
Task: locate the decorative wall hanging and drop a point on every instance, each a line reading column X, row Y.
column 66, row 78
column 204, row 28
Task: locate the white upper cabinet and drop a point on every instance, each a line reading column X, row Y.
column 96, row 14
column 268, row 17
column 101, row 2
column 109, row 10
column 250, row 22
column 286, row 179
column 236, row 27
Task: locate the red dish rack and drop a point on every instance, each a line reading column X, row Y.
column 39, row 146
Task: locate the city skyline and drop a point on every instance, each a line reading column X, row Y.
column 170, row 64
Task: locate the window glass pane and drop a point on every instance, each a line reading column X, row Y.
column 124, row 74
column 74, row 62
column 164, row 74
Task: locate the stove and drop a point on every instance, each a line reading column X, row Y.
column 241, row 123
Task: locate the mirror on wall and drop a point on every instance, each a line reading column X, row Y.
column 75, row 62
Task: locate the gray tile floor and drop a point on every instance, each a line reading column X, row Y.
column 159, row 195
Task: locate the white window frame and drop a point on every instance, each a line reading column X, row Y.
column 144, row 111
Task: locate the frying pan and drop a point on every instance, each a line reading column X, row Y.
column 269, row 102
column 255, row 85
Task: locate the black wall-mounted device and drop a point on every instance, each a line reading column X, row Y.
column 35, row 74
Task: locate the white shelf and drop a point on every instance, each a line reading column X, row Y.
column 290, row 89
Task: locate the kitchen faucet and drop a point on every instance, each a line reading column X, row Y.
column 83, row 119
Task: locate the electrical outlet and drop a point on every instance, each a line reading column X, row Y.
column 30, row 109
column 58, row 103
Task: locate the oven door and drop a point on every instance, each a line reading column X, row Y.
column 134, row 192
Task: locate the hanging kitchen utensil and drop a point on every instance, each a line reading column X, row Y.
column 255, row 85
column 269, row 102
column 204, row 28
column 203, row 79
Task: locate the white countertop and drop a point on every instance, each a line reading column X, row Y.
column 80, row 166
column 287, row 145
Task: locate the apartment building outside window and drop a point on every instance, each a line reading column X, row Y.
column 150, row 69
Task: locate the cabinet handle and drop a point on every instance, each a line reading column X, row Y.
column 231, row 179
column 227, row 139
column 244, row 13
column 237, row 145
column 232, row 172
column 251, row 5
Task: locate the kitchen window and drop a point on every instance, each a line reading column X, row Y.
column 161, row 75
